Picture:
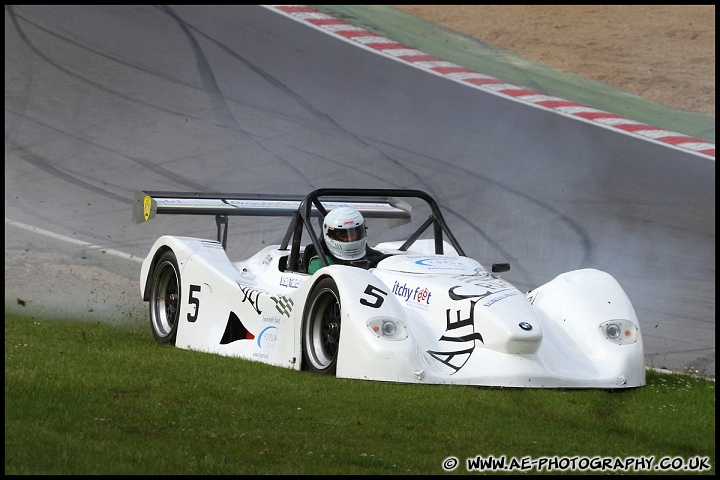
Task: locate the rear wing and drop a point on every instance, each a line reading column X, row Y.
column 148, row 205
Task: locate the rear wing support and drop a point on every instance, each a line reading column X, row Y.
column 222, row 221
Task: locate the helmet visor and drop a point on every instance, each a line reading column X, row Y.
column 346, row 234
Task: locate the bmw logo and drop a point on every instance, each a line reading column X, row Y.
column 525, row 326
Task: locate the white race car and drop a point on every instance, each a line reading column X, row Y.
column 422, row 312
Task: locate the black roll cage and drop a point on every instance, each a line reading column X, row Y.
column 303, row 215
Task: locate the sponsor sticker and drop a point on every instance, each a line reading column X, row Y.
column 267, row 337
column 289, row 282
column 147, row 203
column 415, row 296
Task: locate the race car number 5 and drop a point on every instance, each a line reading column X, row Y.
column 374, row 292
column 192, row 300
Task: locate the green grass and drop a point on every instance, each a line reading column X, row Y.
column 84, row 398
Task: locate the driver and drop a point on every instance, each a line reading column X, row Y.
column 345, row 236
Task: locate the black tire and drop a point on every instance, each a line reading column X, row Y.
column 321, row 328
column 165, row 298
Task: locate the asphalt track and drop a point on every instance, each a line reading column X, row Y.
column 101, row 100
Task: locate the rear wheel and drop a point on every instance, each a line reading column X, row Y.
column 321, row 328
column 165, row 299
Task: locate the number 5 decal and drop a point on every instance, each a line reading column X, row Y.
column 374, row 292
column 194, row 301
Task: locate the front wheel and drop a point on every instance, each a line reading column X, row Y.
column 321, row 328
column 165, row 299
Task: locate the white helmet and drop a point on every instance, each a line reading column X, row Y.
column 344, row 232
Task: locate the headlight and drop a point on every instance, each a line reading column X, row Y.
column 612, row 330
column 622, row 332
column 388, row 328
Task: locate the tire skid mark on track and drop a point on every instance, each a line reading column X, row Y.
column 322, row 116
column 208, row 79
column 69, row 73
column 149, row 165
column 44, row 165
column 211, row 84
